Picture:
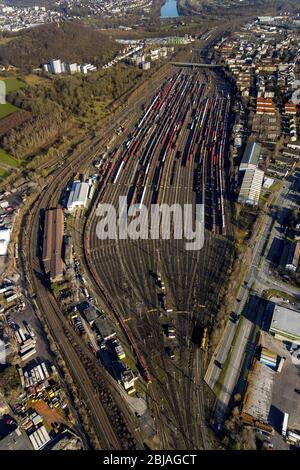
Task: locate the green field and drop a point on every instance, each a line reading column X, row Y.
column 7, row 109
column 6, row 159
column 13, row 84
column 6, row 40
column 3, row 173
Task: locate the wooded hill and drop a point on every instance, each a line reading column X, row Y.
column 70, row 41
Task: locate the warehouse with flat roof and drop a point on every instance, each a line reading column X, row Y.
column 4, row 241
column 285, row 324
column 78, row 196
column 53, row 243
column 16, row 440
column 258, row 396
column 251, row 187
column 105, row 328
column 250, row 156
column 39, row 438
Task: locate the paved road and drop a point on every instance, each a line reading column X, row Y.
column 255, row 273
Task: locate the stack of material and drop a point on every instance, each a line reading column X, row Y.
column 268, row 358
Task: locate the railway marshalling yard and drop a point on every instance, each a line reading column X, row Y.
column 175, row 153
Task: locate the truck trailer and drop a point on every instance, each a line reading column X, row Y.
column 285, row 424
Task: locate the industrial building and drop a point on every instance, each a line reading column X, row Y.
column 250, row 156
column 78, row 196
column 72, row 68
column 118, row 348
column 285, row 324
column 85, row 68
column 128, row 381
column 4, row 241
column 146, row 65
column 91, row 314
column 53, row 242
column 105, row 328
column 16, row 440
column 39, row 438
column 258, row 396
column 292, row 261
column 251, row 187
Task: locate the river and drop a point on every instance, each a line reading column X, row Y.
column 169, row 9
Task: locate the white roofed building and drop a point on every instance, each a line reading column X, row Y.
column 251, row 187
column 39, row 438
column 78, row 196
column 4, row 241
column 285, row 324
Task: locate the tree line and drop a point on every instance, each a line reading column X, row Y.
column 56, row 108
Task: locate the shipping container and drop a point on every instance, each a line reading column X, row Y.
column 292, row 436
column 280, row 365
column 28, row 354
column 285, row 424
column 22, row 334
column 24, row 349
column 18, row 336
column 12, row 297
column 45, row 370
column 41, row 372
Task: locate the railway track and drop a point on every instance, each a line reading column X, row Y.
column 145, row 159
column 50, row 310
column 142, row 169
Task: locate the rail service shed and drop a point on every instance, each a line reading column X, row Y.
column 78, row 196
column 285, row 324
column 53, row 242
